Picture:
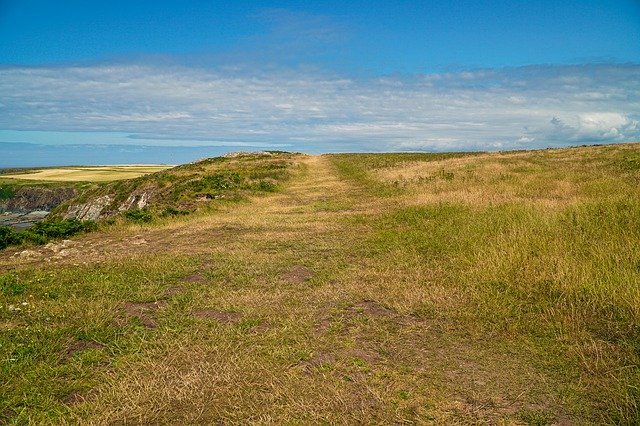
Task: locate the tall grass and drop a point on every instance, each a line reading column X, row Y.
column 495, row 288
column 559, row 270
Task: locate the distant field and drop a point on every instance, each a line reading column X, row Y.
column 88, row 174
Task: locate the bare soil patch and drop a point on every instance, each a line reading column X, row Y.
column 298, row 275
column 370, row 308
column 263, row 327
column 80, row 346
column 323, row 325
column 145, row 312
column 317, row 361
column 196, row 277
column 6, row 415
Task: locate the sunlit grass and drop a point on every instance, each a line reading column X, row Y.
column 370, row 289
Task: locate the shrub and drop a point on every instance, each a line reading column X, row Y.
column 172, row 211
column 8, row 237
column 41, row 232
column 6, row 193
column 221, row 181
column 139, row 215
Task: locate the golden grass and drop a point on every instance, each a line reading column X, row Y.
column 549, row 179
column 425, row 306
column 88, row 174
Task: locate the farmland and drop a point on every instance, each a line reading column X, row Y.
column 86, row 174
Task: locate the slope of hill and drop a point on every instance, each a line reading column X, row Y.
column 182, row 188
column 489, row 288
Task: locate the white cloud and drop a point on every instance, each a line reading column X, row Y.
column 607, row 124
column 484, row 109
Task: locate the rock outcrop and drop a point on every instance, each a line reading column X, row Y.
column 29, row 199
column 91, row 210
column 137, row 201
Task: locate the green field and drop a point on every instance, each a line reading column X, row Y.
column 86, row 174
column 485, row 288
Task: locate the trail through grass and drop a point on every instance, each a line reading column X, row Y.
column 370, row 289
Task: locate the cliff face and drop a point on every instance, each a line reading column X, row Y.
column 184, row 188
column 28, row 199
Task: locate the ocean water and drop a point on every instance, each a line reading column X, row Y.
column 21, row 221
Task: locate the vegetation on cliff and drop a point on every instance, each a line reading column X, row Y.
column 183, row 189
column 43, row 232
column 171, row 192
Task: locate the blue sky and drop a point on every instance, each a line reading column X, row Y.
column 319, row 76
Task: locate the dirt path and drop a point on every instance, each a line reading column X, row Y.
column 281, row 314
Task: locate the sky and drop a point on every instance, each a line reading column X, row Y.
column 95, row 82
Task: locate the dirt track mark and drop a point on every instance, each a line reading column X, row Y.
column 145, row 312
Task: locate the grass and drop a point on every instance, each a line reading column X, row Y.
column 43, row 232
column 497, row 288
column 86, row 174
column 189, row 187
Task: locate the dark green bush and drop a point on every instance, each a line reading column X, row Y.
column 139, row 215
column 265, row 186
column 221, row 181
column 44, row 231
column 41, row 232
column 6, row 193
column 8, row 237
column 172, row 211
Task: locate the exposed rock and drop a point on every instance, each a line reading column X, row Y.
column 138, row 201
column 29, row 199
column 65, row 252
column 21, row 221
column 61, row 246
column 28, row 254
column 53, row 247
column 91, row 210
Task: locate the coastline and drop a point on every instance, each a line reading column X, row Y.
column 21, row 221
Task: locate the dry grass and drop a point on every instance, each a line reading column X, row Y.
column 88, row 174
column 552, row 178
column 326, row 303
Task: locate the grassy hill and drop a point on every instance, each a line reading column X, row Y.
column 484, row 288
column 183, row 189
column 82, row 196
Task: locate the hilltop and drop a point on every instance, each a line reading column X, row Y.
column 458, row 288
